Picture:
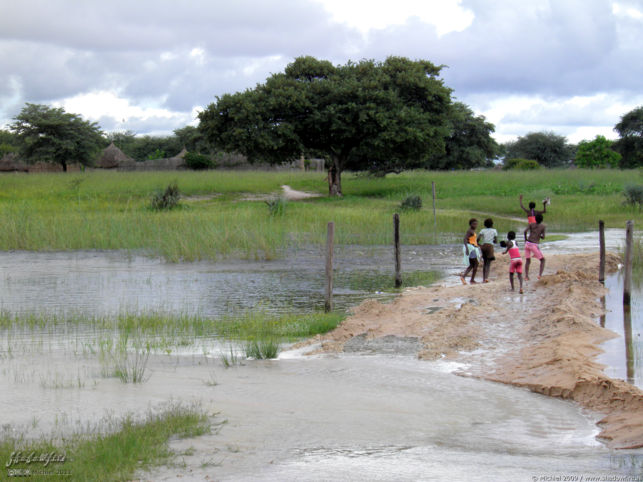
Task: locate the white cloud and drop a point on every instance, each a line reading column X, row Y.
column 366, row 15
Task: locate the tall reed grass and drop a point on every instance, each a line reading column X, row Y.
column 109, row 210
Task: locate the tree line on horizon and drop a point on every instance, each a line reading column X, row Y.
column 380, row 117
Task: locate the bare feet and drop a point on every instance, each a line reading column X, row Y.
column 486, row 281
column 464, row 281
column 473, row 282
column 521, row 291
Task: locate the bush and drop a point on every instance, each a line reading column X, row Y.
column 277, row 207
column 412, row 202
column 197, row 161
column 522, row 164
column 168, row 199
column 634, row 195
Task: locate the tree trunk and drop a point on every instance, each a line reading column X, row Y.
column 335, row 179
column 64, row 166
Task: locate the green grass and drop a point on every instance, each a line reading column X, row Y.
column 140, row 332
column 110, row 210
column 264, row 348
column 117, row 455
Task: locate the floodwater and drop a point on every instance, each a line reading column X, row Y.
column 623, row 355
column 375, row 417
column 108, row 283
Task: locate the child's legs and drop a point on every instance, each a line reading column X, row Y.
column 475, row 268
column 519, row 279
column 470, row 267
column 511, row 280
column 542, row 266
column 527, row 263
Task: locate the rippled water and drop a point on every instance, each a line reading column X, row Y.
column 324, row 418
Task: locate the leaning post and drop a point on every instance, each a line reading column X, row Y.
column 627, row 282
column 601, row 240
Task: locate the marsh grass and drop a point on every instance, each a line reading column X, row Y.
column 127, row 363
column 230, row 360
column 109, row 210
column 262, row 348
column 132, row 446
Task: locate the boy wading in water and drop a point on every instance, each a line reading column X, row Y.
column 486, row 239
column 471, row 252
column 516, row 260
column 532, row 212
column 533, row 234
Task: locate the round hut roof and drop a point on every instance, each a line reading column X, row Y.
column 111, row 157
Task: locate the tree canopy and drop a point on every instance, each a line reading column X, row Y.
column 630, row 145
column 52, row 135
column 597, row 153
column 548, row 148
column 469, row 143
column 378, row 116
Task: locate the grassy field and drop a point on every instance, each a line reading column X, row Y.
column 115, row 455
column 110, row 210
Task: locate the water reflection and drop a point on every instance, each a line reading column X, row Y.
column 623, row 356
column 629, row 348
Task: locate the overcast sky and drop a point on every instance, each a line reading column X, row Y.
column 570, row 66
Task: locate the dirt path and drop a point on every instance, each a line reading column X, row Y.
column 293, row 195
column 545, row 340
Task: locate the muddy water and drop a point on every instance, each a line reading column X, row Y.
column 103, row 283
column 623, row 355
column 325, row 418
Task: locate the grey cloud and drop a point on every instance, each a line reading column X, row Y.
column 566, row 47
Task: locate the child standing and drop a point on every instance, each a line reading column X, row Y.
column 486, row 239
column 532, row 211
column 471, row 252
column 516, row 260
column 533, row 234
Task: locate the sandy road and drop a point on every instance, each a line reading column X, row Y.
column 545, row 340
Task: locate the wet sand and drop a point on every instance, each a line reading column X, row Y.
column 545, row 340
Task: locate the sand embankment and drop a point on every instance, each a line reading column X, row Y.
column 545, row 340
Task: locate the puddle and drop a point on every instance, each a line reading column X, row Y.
column 624, row 354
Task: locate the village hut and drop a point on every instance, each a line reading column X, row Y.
column 112, row 157
column 11, row 163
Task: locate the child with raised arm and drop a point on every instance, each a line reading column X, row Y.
column 516, row 261
column 471, row 252
column 486, row 239
column 532, row 212
column 533, row 234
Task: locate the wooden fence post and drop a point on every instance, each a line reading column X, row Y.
column 601, row 240
column 328, row 306
column 396, row 243
column 627, row 281
column 435, row 219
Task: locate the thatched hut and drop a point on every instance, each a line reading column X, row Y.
column 11, row 163
column 112, row 157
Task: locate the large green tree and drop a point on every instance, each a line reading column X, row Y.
column 381, row 116
column 630, row 145
column 50, row 134
column 548, row 148
column 469, row 143
column 9, row 143
column 597, row 153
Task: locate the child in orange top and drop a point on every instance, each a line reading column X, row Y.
column 516, row 261
column 471, row 252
